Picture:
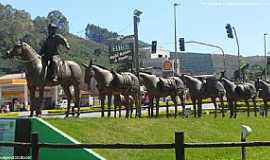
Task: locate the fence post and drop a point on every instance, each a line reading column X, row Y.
column 167, row 108
column 179, row 146
column 35, row 146
column 243, row 148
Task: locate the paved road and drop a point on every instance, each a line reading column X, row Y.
column 94, row 114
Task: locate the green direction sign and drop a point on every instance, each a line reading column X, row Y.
column 7, row 133
column 120, row 52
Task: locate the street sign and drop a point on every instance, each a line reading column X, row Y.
column 120, row 52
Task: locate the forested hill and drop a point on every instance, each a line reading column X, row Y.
column 18, row 24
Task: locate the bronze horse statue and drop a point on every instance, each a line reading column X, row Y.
column 199, row 90
column 237, row 92
column 70, row 75
column 157, row 87
column 263, row 88
column 111, row 83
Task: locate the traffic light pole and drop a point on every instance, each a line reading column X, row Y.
column 214, row 46
column 265, row 55
column 238, row 52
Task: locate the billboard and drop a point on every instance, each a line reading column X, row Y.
column 168, row 66
column 7, row 133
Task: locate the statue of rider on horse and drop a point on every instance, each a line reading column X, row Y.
column 50, row 54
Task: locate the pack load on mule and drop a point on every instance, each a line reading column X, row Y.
column 236, row 92
column 207, row 87
column 157, row 87
column 70, row 75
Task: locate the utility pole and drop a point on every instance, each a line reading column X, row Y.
column 175, row 36
column 136, row 20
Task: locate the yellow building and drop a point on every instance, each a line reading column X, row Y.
column 14, row 86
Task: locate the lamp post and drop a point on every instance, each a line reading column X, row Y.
column 136, row 20
column 265, row 55
column 175, row 37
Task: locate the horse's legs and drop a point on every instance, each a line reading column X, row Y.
column 69, row 97
column 32, row 91
column 247, row 104
column 115, row 99
column 127, row 106
column 102, row 101
column 182, row 98
column 230, row 104
column 255, row 107
column 77, row 100
column 151, row 106
column 199, row 107
column 40, row 101
column 131, row 108
column 119, row 108
column 265, row 108
column 215, row 105
column 194, row 106
column 109, row 104
column 175, row 105
column 157, row 107
column 222, row 105
column 235, row 108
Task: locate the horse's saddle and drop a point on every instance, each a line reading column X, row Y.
column 60, row 70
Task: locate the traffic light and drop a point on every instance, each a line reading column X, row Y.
column 154, row 46
column 182, row 44
column 229, row 31
column 268, row 60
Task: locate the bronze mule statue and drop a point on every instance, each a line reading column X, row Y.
column 70, row 75
column 110, row 83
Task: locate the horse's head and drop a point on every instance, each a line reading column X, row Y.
column 17, row 50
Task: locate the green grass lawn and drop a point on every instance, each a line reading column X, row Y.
column 144, row 130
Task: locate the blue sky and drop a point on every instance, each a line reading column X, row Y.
column 201, row 20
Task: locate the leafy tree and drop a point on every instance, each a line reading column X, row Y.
column 59, row 19
column 98, row 34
